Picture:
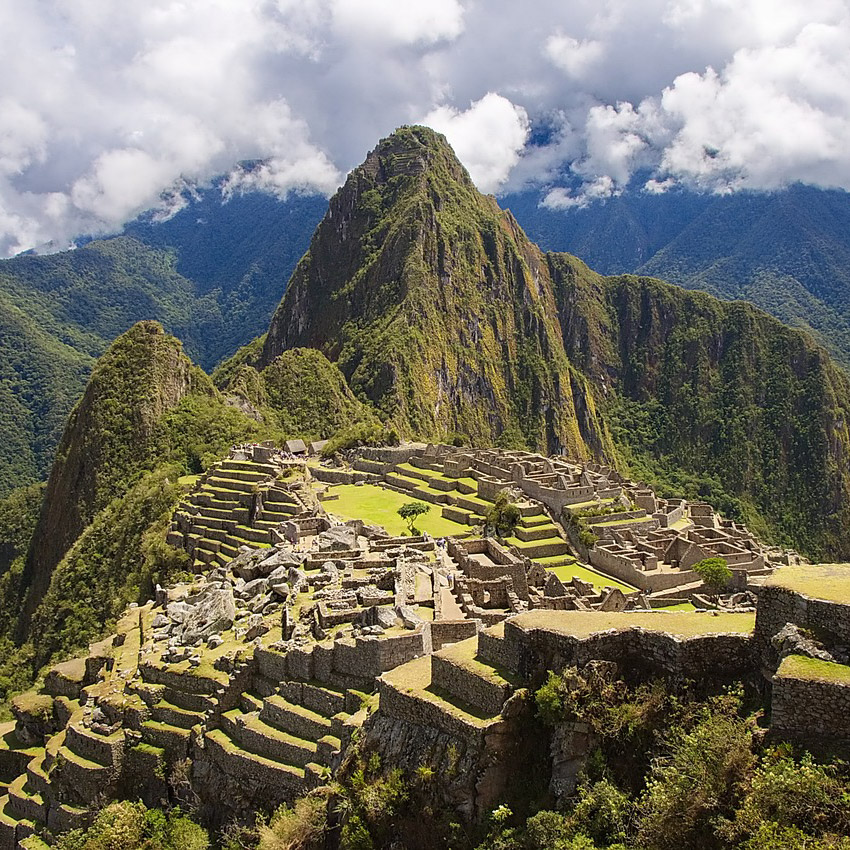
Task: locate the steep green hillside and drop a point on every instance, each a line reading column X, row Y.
column 212, row 275
column 299, row 392
column 787, row 251
column 145, row 404
column 716, row 400
column 434, row 305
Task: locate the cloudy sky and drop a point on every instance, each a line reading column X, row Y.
column 107, row 104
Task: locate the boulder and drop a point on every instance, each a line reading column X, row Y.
column 256, row 627
column 337, row 539
column 177, row 611
column 213, row 612
column 253, row 588
column 409, row 618
column 297, row 581
column 280, row 589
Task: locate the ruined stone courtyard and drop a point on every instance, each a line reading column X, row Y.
column 242, row 688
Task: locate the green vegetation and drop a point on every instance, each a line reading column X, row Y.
column 372, row 434
column 18, row 518
column 714, row 572
column 785, row 251
column 803, row 667
column 299, row 394
column 411, row 511
column 378, row 506
column 566, row 573
column 672, row 769
column 131, row 826
column 692, row 417
column 820, row 581
column 503, row 516
column 212, row 274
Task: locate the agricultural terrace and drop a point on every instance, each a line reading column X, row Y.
column 818, row 581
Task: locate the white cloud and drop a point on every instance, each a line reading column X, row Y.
column 488, row 137
column 408, row 22
column 573, row 55
column 106, row 106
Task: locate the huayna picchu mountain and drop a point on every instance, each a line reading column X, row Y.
column 440, row 312
column 436, row 307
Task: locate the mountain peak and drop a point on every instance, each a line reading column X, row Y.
column 411, row 151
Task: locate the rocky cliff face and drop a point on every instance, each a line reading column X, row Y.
column 111, row 434
column 436, row 307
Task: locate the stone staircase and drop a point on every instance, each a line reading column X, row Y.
column 236, row 504
column 177, row 703
column 290, row 738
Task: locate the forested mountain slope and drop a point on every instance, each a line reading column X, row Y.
column 787, row 252
column 212, row 275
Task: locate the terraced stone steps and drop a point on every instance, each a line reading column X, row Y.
column 257, row 736
column 241, row 764
column 173, row 740
column 458, row 670
column 166, row 712
column 24, row 803
column 408, row 694
column 294, row 718
column 538, row 532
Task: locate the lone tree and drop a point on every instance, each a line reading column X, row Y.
column 503, row 516
column 411, row 511
column 714, row 572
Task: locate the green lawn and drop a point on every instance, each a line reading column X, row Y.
column 679, row 606
column 821, row 581
column 570, row 571
column 378, row 507
column 681, row 623
column 802, row 667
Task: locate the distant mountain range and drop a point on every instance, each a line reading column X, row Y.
column 788, row 252
column 212, row 275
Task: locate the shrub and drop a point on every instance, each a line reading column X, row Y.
column 714, row 572
column 697, row 784
column 503, row 516
column 130, row 826
column 300, row 827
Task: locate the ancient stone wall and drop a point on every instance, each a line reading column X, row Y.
column 778, row 605
column 720, row 657
column 811, row 711
column 451, row 631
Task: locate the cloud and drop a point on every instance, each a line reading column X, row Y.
column 410, row 22
column 108, row 108
column 572, row 55
column 487, row 137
